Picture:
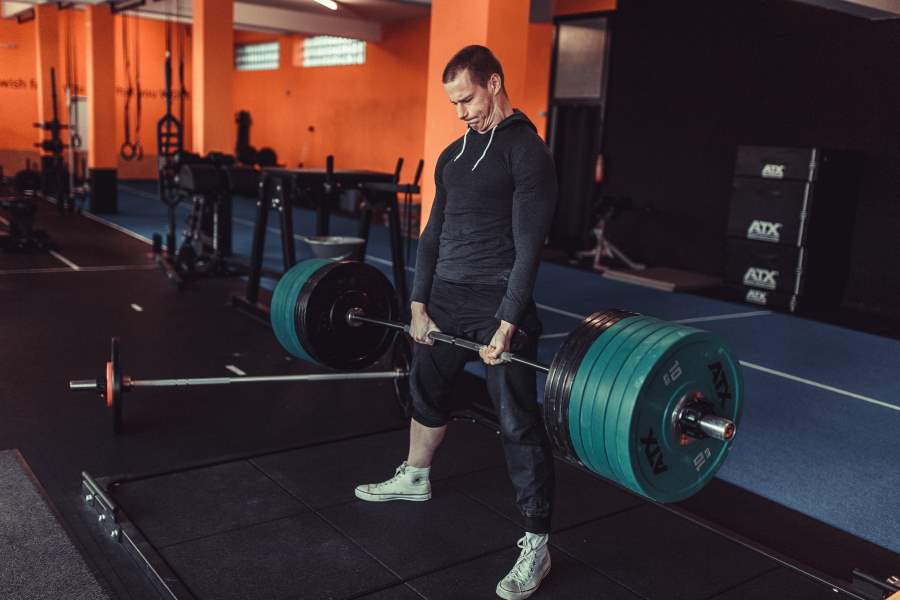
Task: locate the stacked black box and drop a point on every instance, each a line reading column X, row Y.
column 789, row 225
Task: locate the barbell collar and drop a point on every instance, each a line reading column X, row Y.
column 355, row 315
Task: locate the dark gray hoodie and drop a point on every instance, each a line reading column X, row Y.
column 496, row 193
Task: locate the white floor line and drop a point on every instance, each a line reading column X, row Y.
column 235, row 370
column 740, row 315
column 139, row 192
column 137, row 308
column 560, row 311
column 551, row 336
column 64, row 260
column 820, row 386
column 118, row 228
column 80, row 269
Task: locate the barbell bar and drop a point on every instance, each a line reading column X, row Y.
column 113, row 384
column 691, row 418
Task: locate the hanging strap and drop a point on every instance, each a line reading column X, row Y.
column 126, row 151
column 138, row 148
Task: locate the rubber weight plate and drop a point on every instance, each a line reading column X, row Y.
column 656, row 462
column 557, row 388
column 614, row 437
column 576, row 397
column 554, row 404
column 596, row 410
column 283, row 307
column 329, row 293
column 592, row 400
column 114, row 385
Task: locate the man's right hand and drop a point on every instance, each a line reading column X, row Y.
column 421, row 324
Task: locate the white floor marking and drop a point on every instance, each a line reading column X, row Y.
column 118, row 228
column 820, row 385
column 740, row 315
column 80, row 269
column 235, row 370
column 64, row 260
column 137, row 308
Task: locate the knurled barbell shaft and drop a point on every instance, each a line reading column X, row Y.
column 90, row 384
column 449, row 339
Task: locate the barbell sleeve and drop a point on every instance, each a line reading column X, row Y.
column 439, row 336
column 718, row 428
column 83, row 384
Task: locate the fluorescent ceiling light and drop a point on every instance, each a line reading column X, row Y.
column 328, row 4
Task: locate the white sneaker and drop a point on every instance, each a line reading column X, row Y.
column 530, row 569
column 408, row 483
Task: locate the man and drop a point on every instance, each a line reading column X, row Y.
column 476, row 266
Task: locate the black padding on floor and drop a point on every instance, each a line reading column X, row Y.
column 297, row 557
column 579, row 497
column 201, row 502
column 477, row 579
column 22, row 261
column 326, row 475
column 782, row 584
column 88, row 243
column 414, row 538
column 660, row 555
column 37, row 558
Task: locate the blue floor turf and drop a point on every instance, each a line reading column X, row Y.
column 819, row 451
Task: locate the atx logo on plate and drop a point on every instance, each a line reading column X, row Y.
column 765, row 231
column 653, row 452
column 764, row 278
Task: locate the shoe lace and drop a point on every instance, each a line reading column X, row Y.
column 400, row 472
column 524, row 567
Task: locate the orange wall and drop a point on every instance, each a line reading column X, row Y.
column 18, row 87
column 537, row 76
column 18, row 93
column 365, row 115
column 153, row 83
column 574, row 7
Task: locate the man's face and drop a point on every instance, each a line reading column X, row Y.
column 474, row 103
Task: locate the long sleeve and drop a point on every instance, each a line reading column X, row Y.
column 534, row 202
column 427, row 253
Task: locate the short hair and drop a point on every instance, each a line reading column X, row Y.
column 480, row 62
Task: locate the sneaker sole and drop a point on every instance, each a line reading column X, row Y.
column 510, row 595
column 389, row 497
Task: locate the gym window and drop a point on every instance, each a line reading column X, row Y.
column 329, row 51
column 257, row 57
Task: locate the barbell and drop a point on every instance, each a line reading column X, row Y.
column 649, row 404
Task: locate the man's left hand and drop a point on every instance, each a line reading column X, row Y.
column 500, row 343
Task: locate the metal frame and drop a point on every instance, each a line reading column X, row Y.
column 98, row 496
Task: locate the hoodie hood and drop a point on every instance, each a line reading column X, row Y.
column 512, row 120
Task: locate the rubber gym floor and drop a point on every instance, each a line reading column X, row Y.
column 246, row 491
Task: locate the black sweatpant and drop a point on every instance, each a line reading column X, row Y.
column 467, row 311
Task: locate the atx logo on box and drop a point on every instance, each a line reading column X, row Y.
column 765, row 231
column 757, row 297
column 774, row 171
column 764, row 278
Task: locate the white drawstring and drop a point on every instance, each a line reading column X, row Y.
column 493, row 129
column 464, row 144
